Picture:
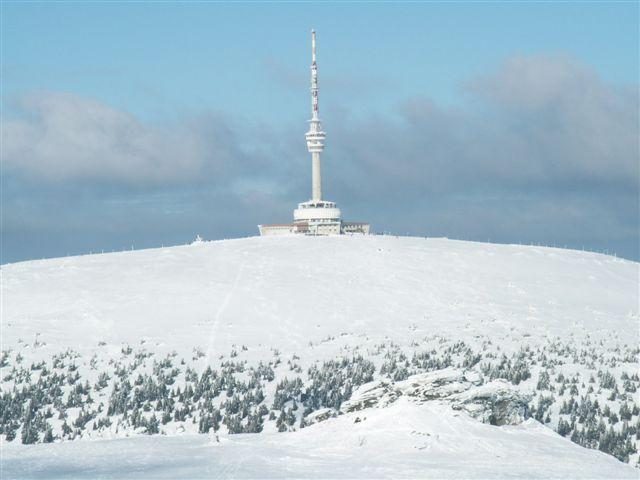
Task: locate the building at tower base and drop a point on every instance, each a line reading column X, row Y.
column 316, row 216
column 341, row 228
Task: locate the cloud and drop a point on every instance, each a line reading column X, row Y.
column 61, row 137
column 539, row 122
column 569, row 120
column 541, row 150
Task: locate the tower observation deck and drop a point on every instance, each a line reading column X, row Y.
column 315, row 216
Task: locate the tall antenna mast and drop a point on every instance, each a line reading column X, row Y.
column 314, row 77
column 315, row 136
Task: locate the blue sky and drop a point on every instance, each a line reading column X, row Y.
column 156, row 58
column 237, row 75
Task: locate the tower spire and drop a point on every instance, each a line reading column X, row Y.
column 313, row 46
column 314, row 78
column 315, row 136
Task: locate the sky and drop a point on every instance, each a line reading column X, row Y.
column 140, row 124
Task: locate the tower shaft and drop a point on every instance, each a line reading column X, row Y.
column 316, row 178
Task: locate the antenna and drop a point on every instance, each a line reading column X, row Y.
column 315, row 136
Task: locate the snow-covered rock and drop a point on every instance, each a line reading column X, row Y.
column 379, row 393
column 319, row 415
column 497, row 402
column 438, row 384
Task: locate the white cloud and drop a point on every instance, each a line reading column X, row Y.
column 61, row 136
column 536, row 123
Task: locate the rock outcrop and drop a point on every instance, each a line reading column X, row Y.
column 319, row 416
column 497, row 402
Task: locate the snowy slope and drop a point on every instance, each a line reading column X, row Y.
column 283, row 292
column 304, row 300
column 401, row 441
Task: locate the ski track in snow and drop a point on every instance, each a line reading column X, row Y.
column 222, row 308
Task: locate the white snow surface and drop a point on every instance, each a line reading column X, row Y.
column 284, row 292
column 296, row 294
column 403, row 440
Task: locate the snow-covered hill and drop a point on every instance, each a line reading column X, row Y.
column 122, row 342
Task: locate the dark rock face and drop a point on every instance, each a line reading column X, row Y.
column 508, row 412
column 497, row 403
